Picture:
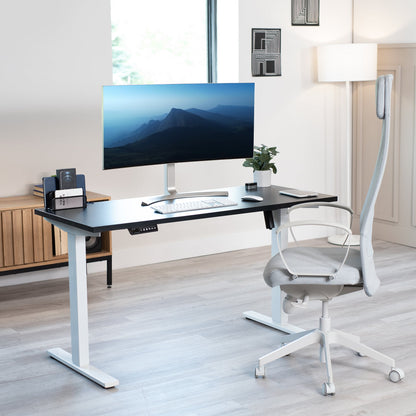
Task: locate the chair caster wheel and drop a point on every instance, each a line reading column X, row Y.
column 328, row 389
column 396, row 374
column 260, row 372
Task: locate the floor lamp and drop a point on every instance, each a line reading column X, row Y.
column 347, row 63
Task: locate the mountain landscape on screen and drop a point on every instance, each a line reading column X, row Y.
column 183, row 136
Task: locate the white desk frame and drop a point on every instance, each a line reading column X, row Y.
column 279, row 319
column 79, row 360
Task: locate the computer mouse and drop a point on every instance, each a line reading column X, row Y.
column 252, row 198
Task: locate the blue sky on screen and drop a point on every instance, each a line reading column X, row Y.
column 128, row 106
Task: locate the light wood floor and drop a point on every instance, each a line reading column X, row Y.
column 174, row 336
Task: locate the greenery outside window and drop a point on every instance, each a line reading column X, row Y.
column 171, row 41
column 159, row 41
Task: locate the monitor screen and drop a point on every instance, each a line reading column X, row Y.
column 160, row 124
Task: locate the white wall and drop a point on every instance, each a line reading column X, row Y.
column 304, row 118
column 56, row 55
column 294, row 111
column 385, row 21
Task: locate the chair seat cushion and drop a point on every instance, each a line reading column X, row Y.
column 314, row 260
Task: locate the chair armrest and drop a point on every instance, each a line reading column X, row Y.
column 290, row 225
column 320, row 204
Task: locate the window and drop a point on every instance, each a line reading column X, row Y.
column 166, row 41
column 227, row 41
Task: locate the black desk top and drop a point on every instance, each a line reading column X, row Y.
column 128, row 213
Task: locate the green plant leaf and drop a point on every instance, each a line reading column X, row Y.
column 262, row 158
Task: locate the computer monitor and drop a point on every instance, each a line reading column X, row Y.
column 166, row 124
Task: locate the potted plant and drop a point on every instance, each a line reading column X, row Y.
column 262, row 164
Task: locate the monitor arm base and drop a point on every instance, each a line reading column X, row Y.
column 176, row 195
column 171, row 192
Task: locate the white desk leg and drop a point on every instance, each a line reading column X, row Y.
column 279, row 319
column 79, row 360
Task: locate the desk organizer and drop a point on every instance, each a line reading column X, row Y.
column 50, row 185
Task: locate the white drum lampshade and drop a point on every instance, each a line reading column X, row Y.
column 347, row 62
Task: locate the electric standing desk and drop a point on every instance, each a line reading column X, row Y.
column 129, row 214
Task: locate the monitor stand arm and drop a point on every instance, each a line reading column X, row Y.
column 171, row 193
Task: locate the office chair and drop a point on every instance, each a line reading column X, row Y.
column 321, row 273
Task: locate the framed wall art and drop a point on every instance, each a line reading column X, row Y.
column 305, row 12
column 266, row 52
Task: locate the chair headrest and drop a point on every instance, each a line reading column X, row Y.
column 380, row 96
column 381, row 103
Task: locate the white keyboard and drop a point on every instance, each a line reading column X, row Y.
column 191, row 205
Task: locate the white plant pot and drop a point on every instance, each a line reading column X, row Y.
column 263, row 178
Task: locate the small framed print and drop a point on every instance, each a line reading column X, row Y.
column 305, row 12
column 266, row 52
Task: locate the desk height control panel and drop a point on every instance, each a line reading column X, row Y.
column 141, row 229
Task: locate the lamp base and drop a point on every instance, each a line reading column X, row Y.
column 339, row 240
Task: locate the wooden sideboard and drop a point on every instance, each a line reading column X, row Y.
column 28, row 242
